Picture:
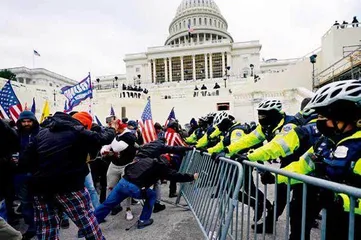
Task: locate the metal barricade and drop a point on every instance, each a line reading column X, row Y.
column 305, row 201
column 214, row 196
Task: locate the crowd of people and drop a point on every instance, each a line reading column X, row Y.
column 344, row 24
column 54, row 167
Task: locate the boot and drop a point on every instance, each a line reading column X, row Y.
column 144, row 223
column 158, row 207
column 268, row 222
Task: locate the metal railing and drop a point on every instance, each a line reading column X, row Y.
column 225, row 211
column 214, row 196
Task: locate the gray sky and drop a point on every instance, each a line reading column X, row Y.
column 78, row 36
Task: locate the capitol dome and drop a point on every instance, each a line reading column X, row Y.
column 203, row 18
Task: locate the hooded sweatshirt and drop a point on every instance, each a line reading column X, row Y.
column 25, row 137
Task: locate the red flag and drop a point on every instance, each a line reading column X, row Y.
column 146, row 125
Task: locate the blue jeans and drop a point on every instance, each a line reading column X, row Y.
column 89, row 184
column 123, row 190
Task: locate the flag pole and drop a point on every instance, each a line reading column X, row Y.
column 90, row 99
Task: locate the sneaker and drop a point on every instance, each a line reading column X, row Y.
column 158, row 207
column 129, row 215
column 64, row 224
column 116, row 210
column 144, row 223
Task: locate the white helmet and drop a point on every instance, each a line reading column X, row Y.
column 219, row 118
column 268, row 105
column 349, row 90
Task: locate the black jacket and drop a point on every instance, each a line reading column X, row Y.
column 157, row 148
column 8, row 145
column 57, row 156
column 144, row 172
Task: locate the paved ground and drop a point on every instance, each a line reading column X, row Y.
column 173, row 223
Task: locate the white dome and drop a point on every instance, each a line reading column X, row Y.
column 208, row 5
column 203, row 17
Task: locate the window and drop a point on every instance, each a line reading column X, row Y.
column 200, row 21
column 219, row 24
column 184, row 24
column 50, row 84
column 189, row 22
column 194, row 22
column 205, row 21
column 180, row 25
column 210, row 22
column 137, row 69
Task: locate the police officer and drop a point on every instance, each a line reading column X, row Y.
column 335, row 157
column 271, row 119
column 212, row 136
column 231, row 129
column 199, row 132
column 288, row 145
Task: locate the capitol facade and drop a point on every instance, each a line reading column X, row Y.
column 198, row 55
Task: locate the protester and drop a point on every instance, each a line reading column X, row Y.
column 122, row 150
column 28, row 128
column 57, row 160
column 148, row 167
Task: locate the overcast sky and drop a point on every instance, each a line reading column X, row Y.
column 78, row 36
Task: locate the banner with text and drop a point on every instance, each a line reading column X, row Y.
column 77, row 93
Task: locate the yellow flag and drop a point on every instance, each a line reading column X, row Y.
column 46, row 111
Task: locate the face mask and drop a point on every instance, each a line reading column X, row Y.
column 224, row 125
column 324, row 129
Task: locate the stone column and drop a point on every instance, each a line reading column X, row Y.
column 194, row 67
column 182, row 69
column 223, row 64
column 170, row 70
column 210, row 66
column 149, row 77
column 206, row 66
column 154, row 72
column 198, row 38
column 204, row 39
column 165, row 70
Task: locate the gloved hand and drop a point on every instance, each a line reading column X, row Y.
column 202, row 150
column 217, row 156
column 268, row 178
column 241, row 157
column 190, row 148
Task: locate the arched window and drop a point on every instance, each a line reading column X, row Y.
column 210, row 22
column 180, row 25
column 219, row 24
column 200, row 21
column 194, row 22
column 205, row 21
column 184, row 23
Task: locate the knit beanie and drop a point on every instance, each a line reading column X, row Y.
column 85, row 119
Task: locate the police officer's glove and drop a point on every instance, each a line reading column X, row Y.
column 268, row 178
column 241, row 157
column 202, row 151
column 217, row 156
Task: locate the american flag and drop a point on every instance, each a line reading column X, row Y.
column 170, row 117
column 10, row 106
column 146, row 124
column 173, row 138
column 190, row 29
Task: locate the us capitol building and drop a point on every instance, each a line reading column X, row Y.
column 200, row 52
